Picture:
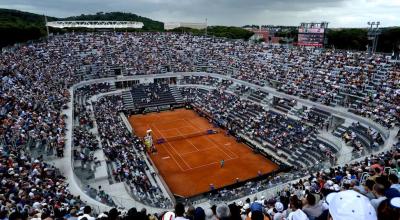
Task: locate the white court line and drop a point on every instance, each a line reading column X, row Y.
column 216, row 144
column 224, row 148
column 195, row 127
column 173, row 148
column 166, row 122
column 192, row 168
column 179, row 155
column 209, row 148
column 209, row 164
column 187, row 139
column 195, row 151
column 174, row 128
column 173, row 158
column 170, row 154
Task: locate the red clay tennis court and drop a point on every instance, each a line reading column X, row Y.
column 190, row 165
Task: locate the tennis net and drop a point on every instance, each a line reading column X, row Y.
column 185, row 136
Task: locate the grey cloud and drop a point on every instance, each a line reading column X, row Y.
column 225, row 12
column 71, row 7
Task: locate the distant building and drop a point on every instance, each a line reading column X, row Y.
column 173, row 25
column 265, row 33
column 262, row 34
column 275, row 40
column 259, row 34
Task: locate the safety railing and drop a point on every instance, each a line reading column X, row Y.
column 131, row 200
column 121, row 200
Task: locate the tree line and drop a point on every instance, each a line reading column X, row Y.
column 217, row 31
column 18, row 26
column 353, row 38
column 356, row 39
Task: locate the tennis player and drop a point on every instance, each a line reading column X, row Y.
column 222, row 163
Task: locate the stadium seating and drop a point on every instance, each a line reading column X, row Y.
column 152, row 95
column 36, row 78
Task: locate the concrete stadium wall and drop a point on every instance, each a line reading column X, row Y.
column 66, row 165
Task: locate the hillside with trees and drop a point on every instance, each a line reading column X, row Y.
column 149, row 25
column 18, row 26
column 218, row 31
column 229, row 32
column 356, row 39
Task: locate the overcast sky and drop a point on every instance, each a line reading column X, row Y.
column 339, row 13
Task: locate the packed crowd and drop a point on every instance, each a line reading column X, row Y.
column 84, row 140
column 35, row 78
column 85, row 144
column 32, row 189
column 100, row 195
column 371, row 186
column 340, row 72
column 33, row 95
column 208, row 81
column 362, row 139
column 270, row 129
column 365, row 190
column 125, row 152
column 368, row 85
column 151, row 95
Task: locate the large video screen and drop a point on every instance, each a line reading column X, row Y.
column 311, row 30
column 311, row 37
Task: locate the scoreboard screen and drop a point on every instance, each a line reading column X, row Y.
column 312, row 34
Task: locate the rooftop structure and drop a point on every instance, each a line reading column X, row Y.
column 173, row 25
column 95, row 24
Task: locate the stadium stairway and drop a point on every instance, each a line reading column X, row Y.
column 141, row 98
column 176, row 94
column 112, row 87
column 258, row 96
column 338, row 99
column 128, row 100
column 101, row 171
column 339, row 131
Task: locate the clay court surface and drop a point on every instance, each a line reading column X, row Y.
column 190, row 165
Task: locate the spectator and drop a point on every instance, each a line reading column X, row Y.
column 394, row 181
column 199, row 214
column 86, row 213
column 223, row 212
column 113, row 214
column 350, row 205
column 379, row 192
column 210, row 214
column 295, row 209
column 311, row 207
column 279, row 212
column 389, row 209
column 179, row 211
column 168, row 216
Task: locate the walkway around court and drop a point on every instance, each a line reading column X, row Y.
column 65, row 164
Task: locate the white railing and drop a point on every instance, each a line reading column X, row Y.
column 121, row 200
column 95, row 24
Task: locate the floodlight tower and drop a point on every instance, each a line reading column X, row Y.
column 47, row 27
column 206, row 26
column 373, row 35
